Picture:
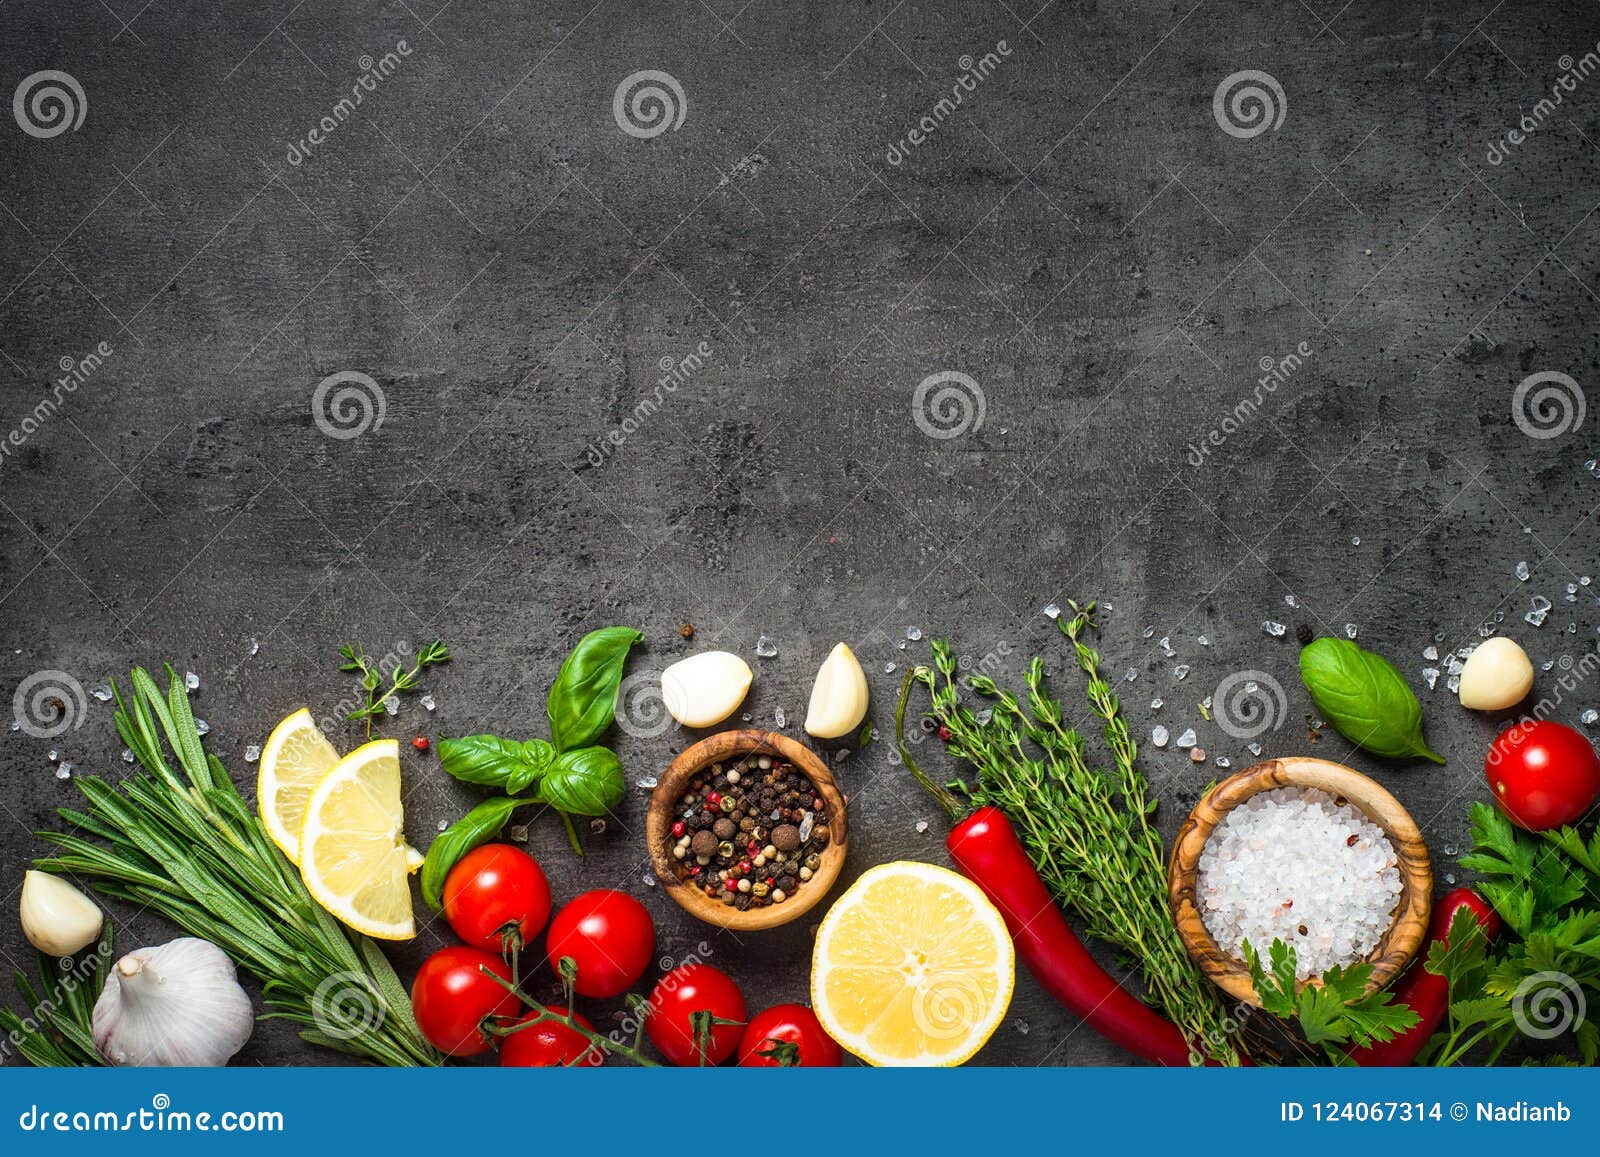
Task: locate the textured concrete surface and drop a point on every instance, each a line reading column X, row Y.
column 1082, row 236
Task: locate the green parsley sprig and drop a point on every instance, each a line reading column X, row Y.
column 1332, row 1015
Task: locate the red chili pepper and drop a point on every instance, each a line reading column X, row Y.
column 1427, row 994
column 986, row 849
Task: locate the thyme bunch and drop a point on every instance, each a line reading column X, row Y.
column 1088, row 833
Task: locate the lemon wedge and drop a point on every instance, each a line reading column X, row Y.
column 353, row 850
column 296, row 758
column 912, row 967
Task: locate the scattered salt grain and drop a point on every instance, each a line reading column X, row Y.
column 1224, row 762
column 1295, row 865
column 191, row 681
column 201, row 727
column 1453, row 684
column 102, row 692
column 1351, row 630
column 766, row 648
column 127, row 755
column 922, row 826
column 1253, row 748
column 1523, row 572
column 428, row 702
column 252, row 753
column 1158, row 735
column 1202, row 640
column 443, row 824
column 1165, row 643
column 779, row 718
column 1187, row 739
column 1157, row 703
column 1276, row 630
column 1132, row 675
column 1148, row 633
column 1430, row 676
column 913, row 633
column 1181, row 671
column 1197, row 754
column 1589, row 715
column 648, row 783
column 888, row 668
column 65, row 770
column 1051, row 611
column 1541, row 609
column 1430, row 653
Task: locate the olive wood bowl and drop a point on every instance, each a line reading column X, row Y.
column 729, row 747
column 1410, row 924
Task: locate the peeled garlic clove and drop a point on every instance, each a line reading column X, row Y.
column 1496, row 676
column 58, row 919
column 838, row 697
column 705, row 689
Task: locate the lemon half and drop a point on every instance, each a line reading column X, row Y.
column 912, row 966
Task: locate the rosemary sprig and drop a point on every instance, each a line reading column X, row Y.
column 401, row 680
column 178, row 839
column 1088, row 833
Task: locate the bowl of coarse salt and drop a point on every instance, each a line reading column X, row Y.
column 1306, row 851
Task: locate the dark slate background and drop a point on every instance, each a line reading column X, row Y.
column 1081, row 237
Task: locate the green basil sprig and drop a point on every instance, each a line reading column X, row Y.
column 583, row 699
column 572, row 774
column 480, row 825
column 1365, row 699
column 490, row 761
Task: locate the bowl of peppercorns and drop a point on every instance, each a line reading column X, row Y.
column 747, row 829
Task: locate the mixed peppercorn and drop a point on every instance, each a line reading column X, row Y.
column 750, row 834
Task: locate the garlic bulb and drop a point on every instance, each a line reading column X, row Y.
column 705, row 689
column 58, row 919
column 175, row 1005
column 838, row 697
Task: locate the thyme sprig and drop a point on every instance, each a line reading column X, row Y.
column 401, row 679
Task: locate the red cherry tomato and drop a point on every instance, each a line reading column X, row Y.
column 787, row 1034
column 609, row 936
column 685, row 991
column 550, row 1045
column 1543, row 775
column 451, row 998
column 496, row 898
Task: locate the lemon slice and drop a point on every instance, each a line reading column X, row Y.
column 912, row 966
column 295, row 759
column 353, row 850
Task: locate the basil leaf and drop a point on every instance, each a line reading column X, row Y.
column 511, row 766
column 480, row 825
column 586, row 782
column 1365, row 699
column 583, row 699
